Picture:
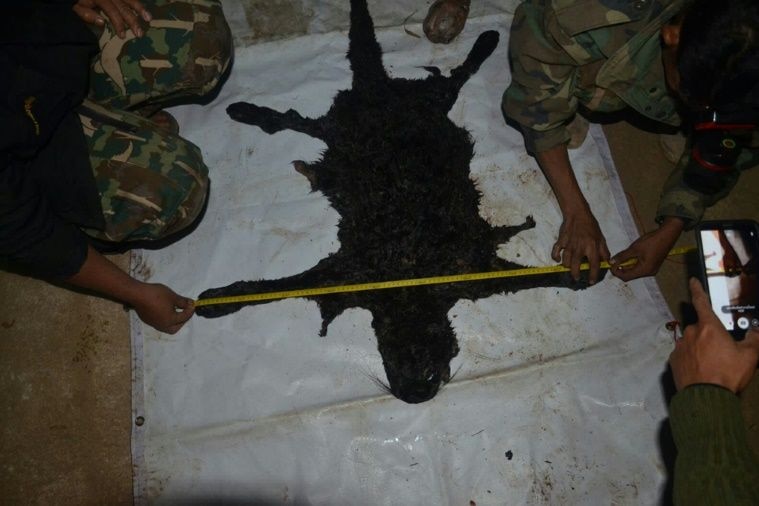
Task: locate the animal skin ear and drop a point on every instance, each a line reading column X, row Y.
column 432, row 70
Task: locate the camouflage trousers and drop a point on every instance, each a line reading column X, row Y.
column 152, row 183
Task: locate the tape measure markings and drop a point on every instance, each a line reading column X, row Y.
column 404, row 283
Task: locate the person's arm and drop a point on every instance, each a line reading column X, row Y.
column 155, row 304
column 32, row 236
column 714, row 463
column 580, row 236
column 540, row 98
column 680, row 208
column 649, row 251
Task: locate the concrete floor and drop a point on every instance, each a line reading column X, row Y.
column 65, row 360
column 65, row 393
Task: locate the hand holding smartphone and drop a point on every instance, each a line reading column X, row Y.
column 729, row 258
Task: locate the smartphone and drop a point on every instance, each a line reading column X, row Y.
column 729, row 258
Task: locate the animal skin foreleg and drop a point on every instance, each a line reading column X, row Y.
column 364, row 53
column 503, row 233
column 271, row 121
column 482, row 49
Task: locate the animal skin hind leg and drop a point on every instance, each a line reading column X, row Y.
column 271, row 121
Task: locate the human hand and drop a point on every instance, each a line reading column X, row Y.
column 121, row 13
column 161, row 308
column 580, row 238
column 649, row 251
column 708, row 354
column 445, row 20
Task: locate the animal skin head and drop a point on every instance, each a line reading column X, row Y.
column 416, row 350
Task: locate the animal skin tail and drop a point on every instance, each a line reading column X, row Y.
column 364, row 52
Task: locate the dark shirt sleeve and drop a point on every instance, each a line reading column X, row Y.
column 45, row 51
column 714, row 462
column 31, row 234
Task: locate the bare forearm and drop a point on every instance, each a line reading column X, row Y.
column 580, row 237
column 156, row 304
column 672, row 226
column 102, row 276
column 558, row 171
column 648, row 251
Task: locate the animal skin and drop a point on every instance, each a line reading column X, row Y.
column 396, row 169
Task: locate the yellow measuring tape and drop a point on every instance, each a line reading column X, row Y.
column 402, row 283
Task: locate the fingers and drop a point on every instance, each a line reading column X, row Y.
column 647, row 254
column 140, row 9
column 186, row 309
column 123, row 14
column 628, row 273
column 562, row 254
column 573, row 259
column 572, row 262
column 580, row 240
column 620, row 267
column 622, row 257
column 128, row 18
column 556, row 251
column 689, row 332
column 701, row 302
column 113, row 13
column 179, row 318
column 184, row 302
column 708, row 326
column 631, row 264
column 707, row 353
column 751, row 342
column 89, row 15
column 594, row 261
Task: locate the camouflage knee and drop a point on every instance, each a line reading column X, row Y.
column 185, row 50
column 152, row 184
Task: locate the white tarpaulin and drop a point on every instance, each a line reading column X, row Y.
column 556, row 399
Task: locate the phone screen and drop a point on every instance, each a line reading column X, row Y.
column 730, row 254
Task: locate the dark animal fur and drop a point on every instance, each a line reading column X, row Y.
column 397, row 171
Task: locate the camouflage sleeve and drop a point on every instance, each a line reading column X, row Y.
column 714, row 464
column 540, row 96
column 678, row 199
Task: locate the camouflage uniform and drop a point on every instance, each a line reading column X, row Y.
column 605, row 55
column 152, row 183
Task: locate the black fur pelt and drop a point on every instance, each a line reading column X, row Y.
column 396, row 169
